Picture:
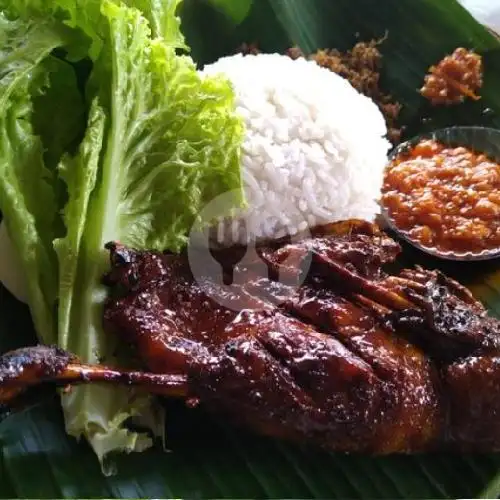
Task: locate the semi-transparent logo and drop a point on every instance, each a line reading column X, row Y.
column 225, row 255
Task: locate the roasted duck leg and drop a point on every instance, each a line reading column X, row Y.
column 351, row 358
column 24, row 368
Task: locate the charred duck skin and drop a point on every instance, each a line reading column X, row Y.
column 353, row 359
column 33, row 366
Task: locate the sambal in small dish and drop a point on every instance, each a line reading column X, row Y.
column 445, row 199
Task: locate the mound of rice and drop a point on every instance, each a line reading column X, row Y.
column 315, row 148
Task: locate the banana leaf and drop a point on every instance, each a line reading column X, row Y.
column 204, row 457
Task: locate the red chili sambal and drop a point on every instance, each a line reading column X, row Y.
column 445, row 198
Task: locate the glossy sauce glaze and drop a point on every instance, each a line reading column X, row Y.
column 445, row 198
column 353, row 359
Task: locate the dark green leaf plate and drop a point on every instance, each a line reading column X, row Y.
column 205, row 458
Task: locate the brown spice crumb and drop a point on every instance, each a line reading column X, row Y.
column 249, row 49
column 361, row 66
column 456, row 77
column 295, row 53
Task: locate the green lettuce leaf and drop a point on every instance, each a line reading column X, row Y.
column 80, row 175
column 163, row 19
column 160, row 143
column 28, row 200
column 84, row 17
column 98, row 413
column 171, row 143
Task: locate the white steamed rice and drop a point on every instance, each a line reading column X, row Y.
column 314, row 151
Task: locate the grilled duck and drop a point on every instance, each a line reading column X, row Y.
column 325, row 348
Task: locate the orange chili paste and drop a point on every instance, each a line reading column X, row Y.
column 445, row 198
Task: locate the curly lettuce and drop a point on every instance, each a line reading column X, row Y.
column 28, row 185
column 160, row 142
